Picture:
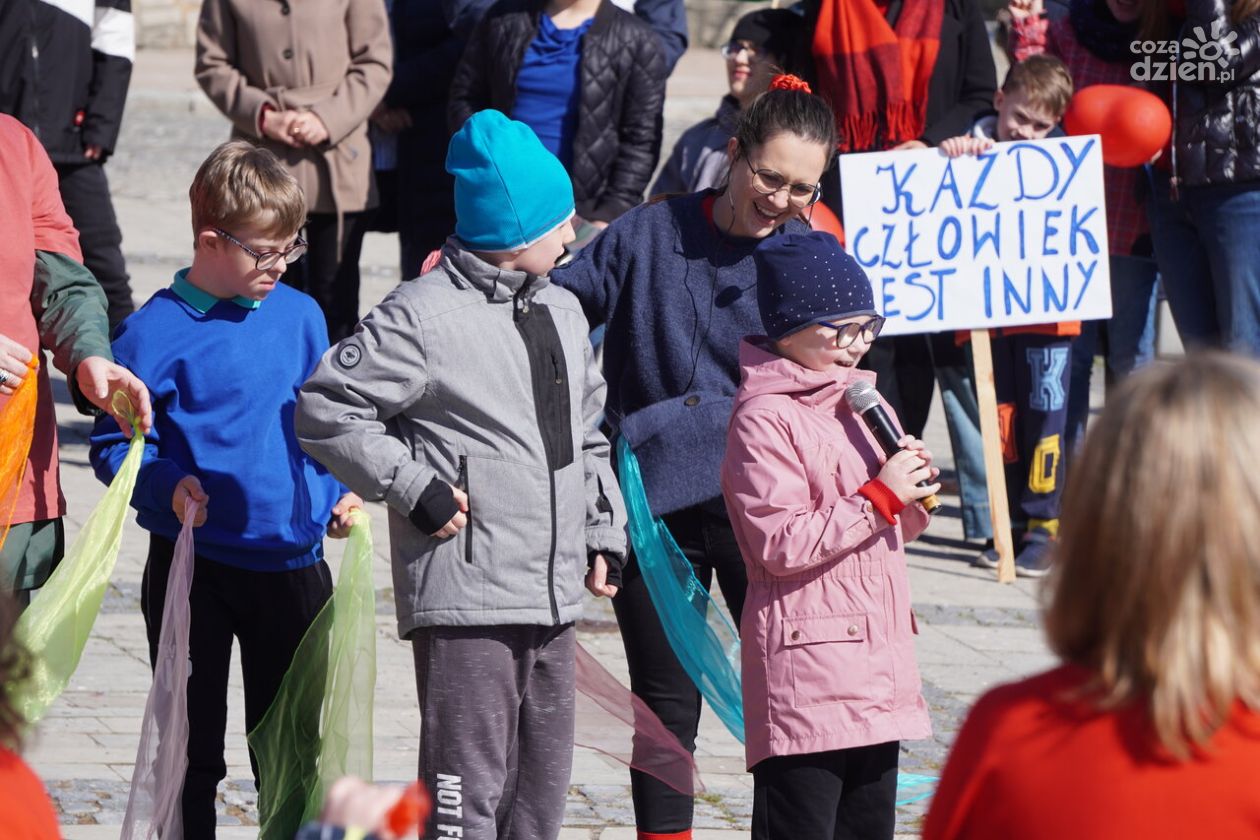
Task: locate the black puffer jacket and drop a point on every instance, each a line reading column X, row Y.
column 1218, row 121
column 618, row 137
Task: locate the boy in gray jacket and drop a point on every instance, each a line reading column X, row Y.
column 468, row 400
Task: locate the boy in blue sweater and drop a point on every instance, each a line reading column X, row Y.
column 224, row 350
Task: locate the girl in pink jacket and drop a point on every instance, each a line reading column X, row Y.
column 829, row 677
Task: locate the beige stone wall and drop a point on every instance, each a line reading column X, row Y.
column 165, row 23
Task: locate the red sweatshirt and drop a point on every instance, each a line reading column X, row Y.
column 26, row 813
column 1034, row 765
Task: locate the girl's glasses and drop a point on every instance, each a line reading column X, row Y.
column 846, row 334
column 769, row 182
column 268, row 260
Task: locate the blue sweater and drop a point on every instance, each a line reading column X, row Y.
column 547, row 92
column 676, row 296
column 224, row 383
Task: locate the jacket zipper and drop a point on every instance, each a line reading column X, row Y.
column 461, row 481
column 538, row 331
column 551, row 557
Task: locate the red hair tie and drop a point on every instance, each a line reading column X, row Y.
column 787, row 81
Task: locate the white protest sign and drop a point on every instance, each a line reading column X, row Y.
column 1017, row 235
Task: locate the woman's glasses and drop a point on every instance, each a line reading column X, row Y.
column 846, row 334
column 769, row 182
column 267, row 260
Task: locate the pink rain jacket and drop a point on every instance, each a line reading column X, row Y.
column 827, row 631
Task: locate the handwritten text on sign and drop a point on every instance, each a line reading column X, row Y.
column 1017, row 235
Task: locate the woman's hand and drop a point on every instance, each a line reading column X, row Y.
column 277, row 125
column 909, row 145
column 13, row 365
column 98, row 378
column 307, row 129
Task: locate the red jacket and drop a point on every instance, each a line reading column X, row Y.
column 26, row 813
column 1034, row 764
column 35, row 219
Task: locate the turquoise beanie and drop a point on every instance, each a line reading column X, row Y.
column 510, row 191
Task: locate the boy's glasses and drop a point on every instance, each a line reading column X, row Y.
column 846, row 334
column 267, row 260
column 734, row 48
column 769, row 182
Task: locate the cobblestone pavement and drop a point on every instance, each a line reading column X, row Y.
column 974, row 632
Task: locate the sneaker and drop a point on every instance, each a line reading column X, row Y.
column 987, row 559
column 1033, row 560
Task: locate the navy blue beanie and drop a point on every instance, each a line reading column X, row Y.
column 805, row 278
column 510, row 191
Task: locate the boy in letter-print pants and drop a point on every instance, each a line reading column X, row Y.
column 1031, row 374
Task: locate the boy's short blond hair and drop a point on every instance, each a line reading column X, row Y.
column 242, row 184
column 1046, row 82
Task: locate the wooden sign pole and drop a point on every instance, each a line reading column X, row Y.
column 994, row 466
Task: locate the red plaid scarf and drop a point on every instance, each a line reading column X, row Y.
column 875, row 75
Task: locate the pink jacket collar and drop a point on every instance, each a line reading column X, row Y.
column 762, row 371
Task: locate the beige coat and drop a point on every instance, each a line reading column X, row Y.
column 332, row 57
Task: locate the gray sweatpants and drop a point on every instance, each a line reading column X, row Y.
column 496, row 730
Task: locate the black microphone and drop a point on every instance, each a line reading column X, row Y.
column 864, row 400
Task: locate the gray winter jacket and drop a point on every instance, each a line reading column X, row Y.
column 482, row 379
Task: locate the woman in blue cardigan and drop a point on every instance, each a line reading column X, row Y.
column 674, row 284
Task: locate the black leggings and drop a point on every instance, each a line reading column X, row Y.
column 333, row 282
column 656, row 675
column 838, row 795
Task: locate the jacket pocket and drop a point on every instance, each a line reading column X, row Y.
column 829, row 656
column 509, row 506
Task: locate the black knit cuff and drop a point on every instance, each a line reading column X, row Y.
column 615, row 564
column 435, row 507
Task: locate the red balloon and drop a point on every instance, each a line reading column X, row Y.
column 1134, row 124
column 821, row 218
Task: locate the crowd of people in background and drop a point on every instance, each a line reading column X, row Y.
column 516, row 149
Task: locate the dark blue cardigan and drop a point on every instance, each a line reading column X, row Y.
column 676, row 296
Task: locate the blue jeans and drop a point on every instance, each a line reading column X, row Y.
column 1130, row 337
column 1208, row 247
column 962, row 419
